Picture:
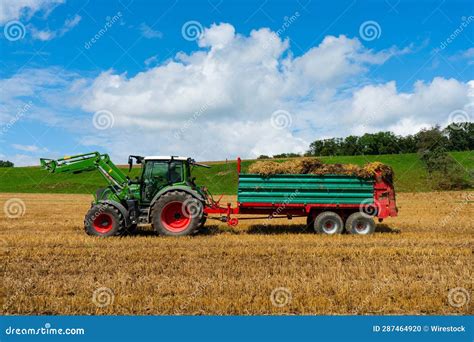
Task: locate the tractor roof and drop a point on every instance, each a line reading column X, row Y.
column 165, row 158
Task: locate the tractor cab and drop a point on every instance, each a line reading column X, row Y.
column 162, row 171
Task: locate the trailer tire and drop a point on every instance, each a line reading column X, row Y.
column 104, row 220
column 170, row 216
column 359, row 224
column 329, row 223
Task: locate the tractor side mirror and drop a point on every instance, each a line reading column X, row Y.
column 130, row 163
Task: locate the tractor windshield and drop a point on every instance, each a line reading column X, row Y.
column 159, row 173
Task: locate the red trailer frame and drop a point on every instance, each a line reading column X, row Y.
column 383, row 206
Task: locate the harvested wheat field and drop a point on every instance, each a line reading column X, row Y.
column 49, row 265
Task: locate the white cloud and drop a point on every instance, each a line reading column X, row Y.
column 217, row 102
column 17, row 9
column 28, row 148
column 376, row 107
column 47, row 34
column 149, row 32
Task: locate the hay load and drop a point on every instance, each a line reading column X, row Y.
column 316, row 167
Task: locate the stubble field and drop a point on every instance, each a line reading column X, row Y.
column 418, row 263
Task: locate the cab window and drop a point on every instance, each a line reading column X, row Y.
column 163, row 172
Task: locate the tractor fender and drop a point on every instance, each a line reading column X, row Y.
column 190, row 191
column 120, row 208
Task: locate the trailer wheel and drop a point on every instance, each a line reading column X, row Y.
column 358, row 223
column 104, row 220
column 329, row 223
column 177, row 213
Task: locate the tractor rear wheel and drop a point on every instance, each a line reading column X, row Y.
column 329, row 223
column 177, row 213
column 104, row 220
column 360, row 224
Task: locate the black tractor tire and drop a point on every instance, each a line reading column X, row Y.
column 170, row 216
column 202, row 222
column 104, row 220
column 329, row 223
column 360, row 224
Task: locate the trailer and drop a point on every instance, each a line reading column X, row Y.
column 166, row 196
column 331, row 203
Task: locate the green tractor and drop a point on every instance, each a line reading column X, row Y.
column 164, row 195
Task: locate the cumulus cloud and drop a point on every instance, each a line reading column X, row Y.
column 217, row 102
column 245, row 76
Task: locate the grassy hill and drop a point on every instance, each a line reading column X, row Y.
column 410, row 175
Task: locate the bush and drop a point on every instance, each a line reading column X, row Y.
column 444, row 172
column 6, row 163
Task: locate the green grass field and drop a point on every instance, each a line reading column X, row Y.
column 410, row 176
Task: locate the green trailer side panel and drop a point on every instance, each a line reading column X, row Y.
column 304, row 189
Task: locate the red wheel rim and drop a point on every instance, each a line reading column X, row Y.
column 173, row 217
column 103, row 223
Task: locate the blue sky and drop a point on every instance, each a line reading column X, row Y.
column 217, row 79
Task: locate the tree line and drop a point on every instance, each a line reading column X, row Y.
column 455, row 137
column 432, row 145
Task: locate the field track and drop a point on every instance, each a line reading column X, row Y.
column 49, row 265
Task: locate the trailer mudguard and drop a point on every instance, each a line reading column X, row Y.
column 120, row 208
column 183, row 188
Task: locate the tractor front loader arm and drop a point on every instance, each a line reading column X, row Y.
column 87, row 162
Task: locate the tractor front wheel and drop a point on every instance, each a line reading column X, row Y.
column 177, row 213
column 104, row 220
